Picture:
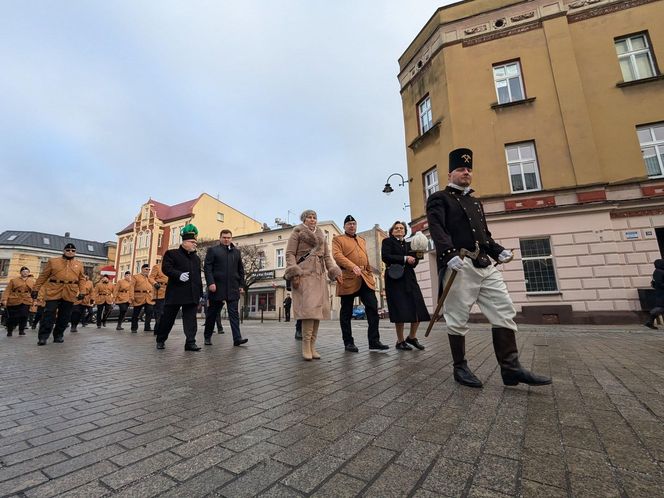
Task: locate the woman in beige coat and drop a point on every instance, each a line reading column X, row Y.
column 307, row 259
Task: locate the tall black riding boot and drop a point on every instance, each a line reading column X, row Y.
column 462, row 373
column 507, row 354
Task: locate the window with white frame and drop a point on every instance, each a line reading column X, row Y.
column 280, row 258
column 430, row 182
column 635, row 58
column 522, row 167
column 538, row 266
column 220, row 216
column 262, row 260
column 424, row 115
column 508, row 81
column 651, row 138
column 4, row 267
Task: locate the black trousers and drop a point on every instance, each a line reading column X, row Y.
column 103, row 310
column 157, row 311
column 287, row 313
column 368, row 298
column 214, row 310
column 17, row 316
column 80, row 314
column 36, row 317
column 137, row 312
column 188, row 321
column 61, row 309
column 123, row 312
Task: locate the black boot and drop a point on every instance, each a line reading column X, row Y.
column 462, row 373
column 507, row 354
column 651, row 323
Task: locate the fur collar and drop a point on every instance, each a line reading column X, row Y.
column 314, row 239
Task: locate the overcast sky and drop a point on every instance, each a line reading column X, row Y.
column 274, row 106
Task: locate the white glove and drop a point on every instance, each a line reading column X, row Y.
column 506, row 255
column 184, row 277
column 456, row 263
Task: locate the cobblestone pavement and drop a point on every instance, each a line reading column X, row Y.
column 105, row 413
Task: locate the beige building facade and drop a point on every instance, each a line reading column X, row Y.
column 562, row 103
column 374, row 238
column 267, row 295
column 156, row 228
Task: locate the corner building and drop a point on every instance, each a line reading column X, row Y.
column 563, row 106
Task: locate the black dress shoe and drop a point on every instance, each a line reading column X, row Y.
column 351, row 348
column 403, row 346
column 41, row 342
column 378, row 346
column 119, row 328
column 147, row 330
column 73, row 329
column 464, row 376
column 415, row 343
column 59, row 339
column 208, row 342
column 98, row 326
column 10, row 334
column 650, row 325
column 240, row 342
column 220, row 332
column 161, row 345
column 21, row 332
column 192, row 347
column 134, row 331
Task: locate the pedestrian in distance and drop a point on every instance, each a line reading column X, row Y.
column 160, row 282
column 458, row 226
column 17, row 300
column 182, row 266
column 404, row 297
column 103, row 297
column 143, row 291
column 308, row 267
column 657, row 283
column 82, row 307
column 287, row 307
column 122, row 296
column 224, row 275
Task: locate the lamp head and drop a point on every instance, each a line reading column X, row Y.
column 388, row 189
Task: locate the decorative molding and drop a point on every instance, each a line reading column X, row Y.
column 476, row 29
column 501, row 34
column 531, row 203
column 522, row 17
column 601, row 10
column 636, row 213
column 652, row 190
column 591, row 196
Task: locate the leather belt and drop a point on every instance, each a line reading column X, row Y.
column 104, row 294
column 143, row 292
column 63, row 281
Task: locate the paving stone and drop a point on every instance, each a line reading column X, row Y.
column 418, row 455
column 21, row 482
column 249, row 439
column 395, row 481
column 340, row 486
column 196, row 446
column 449, row 477
column 139, row 470
column 259, row 478
column 71, row 481
column 90, row 490
column 280, row 491
column 248, row 458
column 583, row 486
column 544, row 468
column 26, row 466
column 349, row 445
column 201, row 462
column 35, row 452
column 84, row 460
column 369, row 462
column 532, row 489
column 152, row 448
column 307, row 477
column 201, row 485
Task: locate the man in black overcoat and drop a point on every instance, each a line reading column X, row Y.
column 224, row 274
column 456, row 221
column 182, row 266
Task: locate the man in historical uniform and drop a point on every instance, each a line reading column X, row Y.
column 64, row 282
column 143, row 287
column 160, row 282
column 17, row 299
column 182, row 266
column 350, row 253
column 122, row 296
column 82, row 307
column 456, row 221
column 103, row 297
column 224, row 274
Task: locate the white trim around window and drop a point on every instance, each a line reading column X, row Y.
column 425, row 118
column 430, row 182
column 635, row 58
column 522, row 167
column 508, row 82
column 651, row 139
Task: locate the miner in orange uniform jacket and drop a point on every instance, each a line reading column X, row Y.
column 37, row 310
column 103, row 296
column 160, row 282
column 143, row 290
column 17, row 298
column 82, row 309
column 122, row 296
column 63, row 281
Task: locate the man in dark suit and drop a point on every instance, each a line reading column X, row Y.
column 182, row 266
column 287, row 305
column 224, row 274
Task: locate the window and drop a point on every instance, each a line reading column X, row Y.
column 538, row 265
column 47, row 241
column 220, row 216
column 91, row 248
column 42, row 264
column 12, row 237
column 89, row 270
column 4, row 267
column 281, row 261
column 160, row 239
column 261, row 260
column 509, row 85
column 651, row 138
column 424, row 113
column 430, row 182
column 522, row 167
column 634, row 56
column 264, row 301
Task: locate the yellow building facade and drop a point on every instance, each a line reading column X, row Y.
column 562, row 104
column 156, row 228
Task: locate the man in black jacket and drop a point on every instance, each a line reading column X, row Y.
column 657, row 283
column 456, row 220
column 224, row 274
column 182, row 266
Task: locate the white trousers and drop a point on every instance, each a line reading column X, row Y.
column 484, row 286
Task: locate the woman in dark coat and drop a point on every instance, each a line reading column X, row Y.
column 658, row 285
column 404, row 297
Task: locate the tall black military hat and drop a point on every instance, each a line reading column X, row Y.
column 461, row 158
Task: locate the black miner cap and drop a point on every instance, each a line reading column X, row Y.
column 461, row 158
column 70, row 246
column 348, row 218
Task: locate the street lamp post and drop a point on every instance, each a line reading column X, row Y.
column 388, row 188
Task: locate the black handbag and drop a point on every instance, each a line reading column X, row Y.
column 395, row 272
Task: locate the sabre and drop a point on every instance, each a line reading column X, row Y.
column 436, row 316
column 106, row 315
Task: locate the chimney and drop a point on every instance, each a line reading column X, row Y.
column 67, row 234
